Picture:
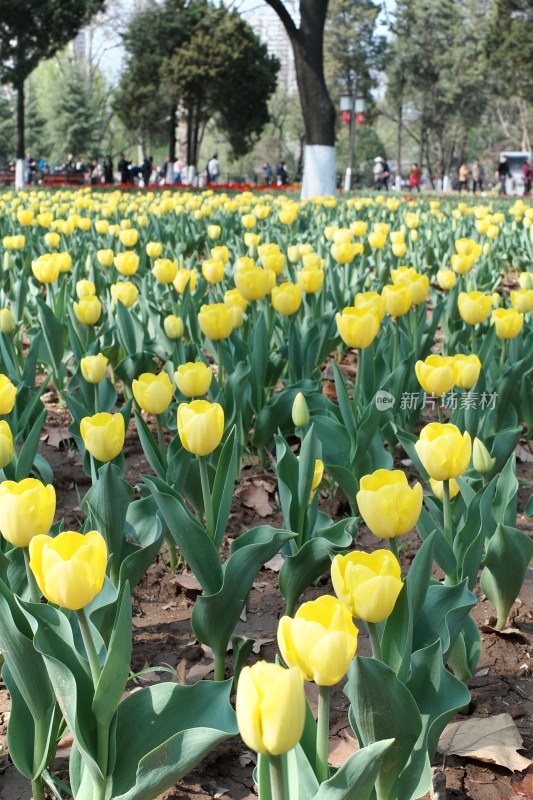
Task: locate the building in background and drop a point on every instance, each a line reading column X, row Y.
column 270, row 30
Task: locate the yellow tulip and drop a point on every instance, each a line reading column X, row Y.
column 437, row 487
column 105, row 257
column 377, row 239
column 129, row 237
column 25, row 217
column 213, row 270
column 193, row 379
column 7, row 321
column 388, row 505
column 270, row 707
column 154, row 249
column 6, row 444
column 399, row 249
column 300, row 415
column 372, row 300
column 367, row 583
column 411, row 220
column 357, row 327
column 508, row 322
column 46, row 268
column 526, row 280
column 286, row 298
column 318, row 474
column 398, row 299
column 437, row 374
column 27, row 509
column 125, row 291
column 173, row 326
column 85, row 288
column 419, row 284
column 234, row 299
column 101, row 226
column 312, row 261
column 214, row 231
column 244, row 262
column 164, row 270
column 474, row 307
column 184, row 277
column 127, row 263
column 288, row 214
column 88, row 310
column 254, row 283
column 321, row 640
column 7, row 395
column 45, row 219
column 93, row 368
column 293, row 253
column 69, row 568
column 522, row 300
column 446, row 279
column 274, row 262
column 248, row 221
column 251, row 240
column 64, row 261
column 103, row 435
column 153, row 392
column 468, row 369
column 215, row 321
column 443, row 450
column 310, row 279
column 345, row 252
column 14, row 242
column 462, row 264
column 200, row 426
column 52, row 240
column 221, row 252
column 359, row 228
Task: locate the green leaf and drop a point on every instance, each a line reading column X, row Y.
column 470, row 539
column 144, row 535
column 53, row 335
column 115, row 672
column 149, row 446
column 345, row 405
column 215, row 615
column 357, row 776
column 303, row 568
column 442, row 616
column 373, row 690
column 195, row 545
column 438, row 694
column 505, row 498
column 29, row 449
column 180, row 725
column 223, row 485
column 506, row 561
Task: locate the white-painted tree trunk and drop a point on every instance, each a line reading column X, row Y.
column 320, row 177
column 19, row 174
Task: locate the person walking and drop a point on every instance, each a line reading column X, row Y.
column 108, row 169
column 527, row 173
column 378, row 173
column 502, row 173
column 414, row 179
column 124, row 169
column 477, row 176
column 213, row 169
column 385, row 174
column 464, row 172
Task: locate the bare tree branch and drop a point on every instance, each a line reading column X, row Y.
column 285, row 17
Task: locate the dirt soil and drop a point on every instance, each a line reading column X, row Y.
column 163, row 605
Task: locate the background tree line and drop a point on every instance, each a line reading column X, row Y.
column 444, row 81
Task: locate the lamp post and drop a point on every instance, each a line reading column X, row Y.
column 356, row 108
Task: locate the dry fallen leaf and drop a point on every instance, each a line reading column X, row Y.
column 275, row 564
column 188, row 582
column 504, row 632
column 256, row 498
column 523, row 454
column 56, row 437
column 259, row 644
column 492, row 739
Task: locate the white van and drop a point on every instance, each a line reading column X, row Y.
column 515, row 184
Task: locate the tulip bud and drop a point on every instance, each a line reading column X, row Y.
column 173, row 326
column 481, row 457
column 6, row 444
column 8, row 261
column 300, row 411
column 93, row 368
column 7, row 321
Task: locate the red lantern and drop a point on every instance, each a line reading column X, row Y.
column 346, row 116
column 360, row 118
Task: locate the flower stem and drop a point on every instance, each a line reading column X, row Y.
column 220, row 365
column 374, row 640
column 322, row 734
column 446, row 504
column 277, row 778
column 208, row 500
column 89, row 646
column 395, row 550
column 357, row 386
column 171, row 550
column 396, row 349
column 440, row 412
column 502, row 356
column 96, row 390
column 37, row 789
column 220, row 666
column 35, row 594
column 161, row 438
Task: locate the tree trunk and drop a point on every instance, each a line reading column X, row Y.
column 317, row 107
column 19, row 173
column 171, row 145
column 399, row 140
